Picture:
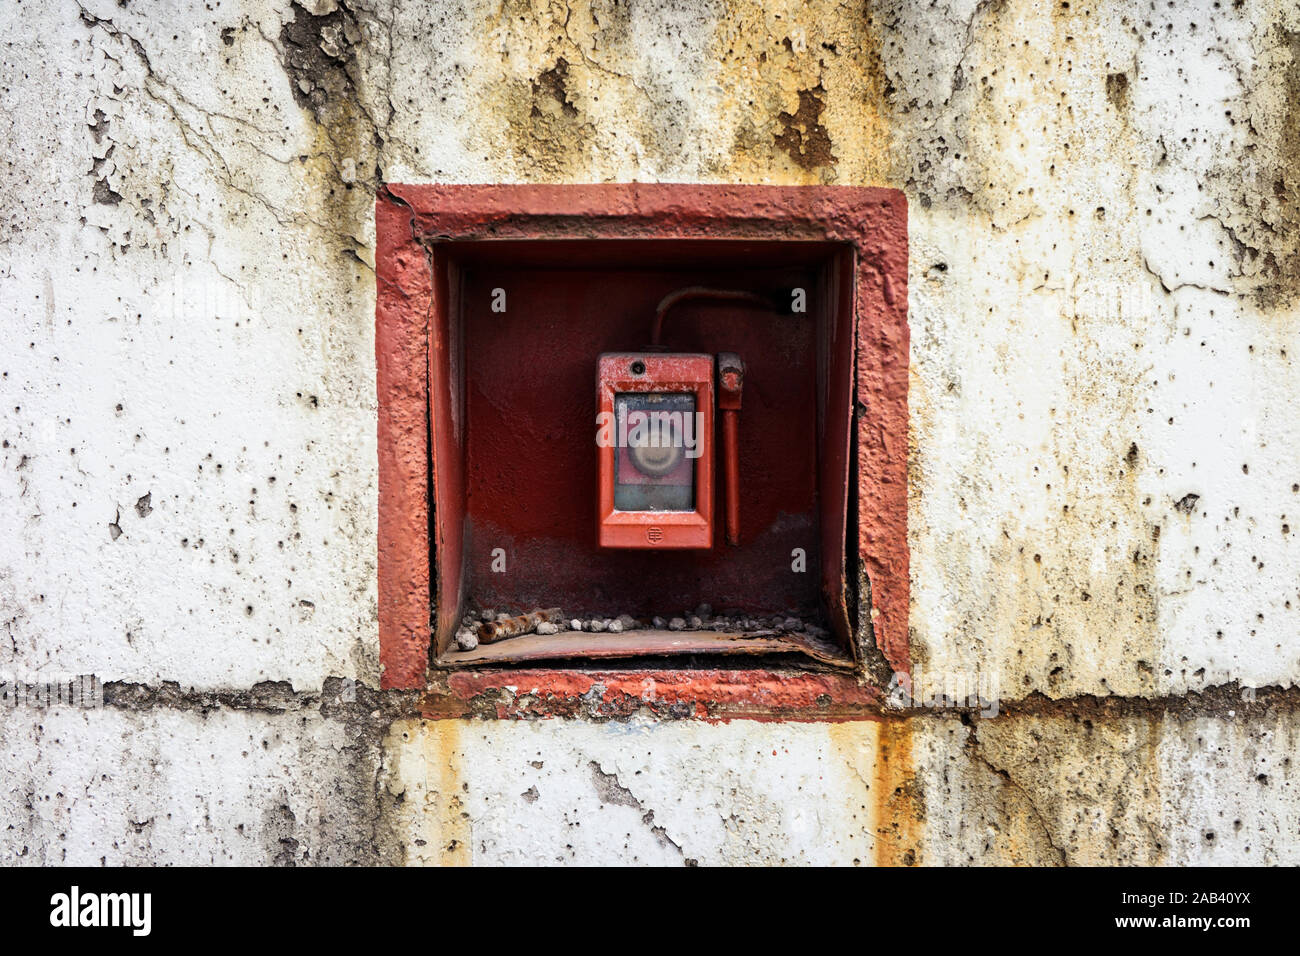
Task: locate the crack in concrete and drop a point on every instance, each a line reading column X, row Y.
column 610, row 790
column 976, row 751
column 1169, row 290
column 156, row 88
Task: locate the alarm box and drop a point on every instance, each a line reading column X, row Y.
column 655, row 448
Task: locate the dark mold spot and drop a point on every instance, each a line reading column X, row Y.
column 1117, row 90
column 100, row 126
column 320, row 59
column 1257, row 190
column 554, row 83
column 105, row 194
column 803, row 136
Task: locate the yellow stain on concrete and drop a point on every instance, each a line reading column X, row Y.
column 426, row 786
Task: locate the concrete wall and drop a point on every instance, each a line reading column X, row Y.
column 1104, row 469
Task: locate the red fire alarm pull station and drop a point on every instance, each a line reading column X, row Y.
column 655, row 423
column 655, row 445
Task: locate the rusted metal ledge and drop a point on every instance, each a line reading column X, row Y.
column 581, row 646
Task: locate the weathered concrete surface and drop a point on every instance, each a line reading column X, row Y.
column 1104, row 481
column 171, row 784
column 1101, row 486
column 163, row 785
column 925, row 791
column 188, row 376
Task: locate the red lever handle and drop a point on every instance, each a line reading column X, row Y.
column 731, row 380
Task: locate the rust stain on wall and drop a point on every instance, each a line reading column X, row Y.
column 555, row 83
column 805, row 89
column 897, row 797
column 541, row 70
column 544, row 125
column 427, row 787
column 799, row 88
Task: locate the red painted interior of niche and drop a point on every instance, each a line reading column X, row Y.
column 532, row 461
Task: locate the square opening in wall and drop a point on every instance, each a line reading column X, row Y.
column 595, row 472
column 642, row 414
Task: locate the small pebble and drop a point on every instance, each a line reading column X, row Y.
column 503, row 616
column 548, row 627
column 487, row 614
column 575, row 625
column 595, row 625
column 658, row 623
column 614, row 627
column 466, row 639
column 677, row 624
column 628, row 622
column 792, row 624
column 694, row 623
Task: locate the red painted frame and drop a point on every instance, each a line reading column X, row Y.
column 416, row 374
column 687, row 374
